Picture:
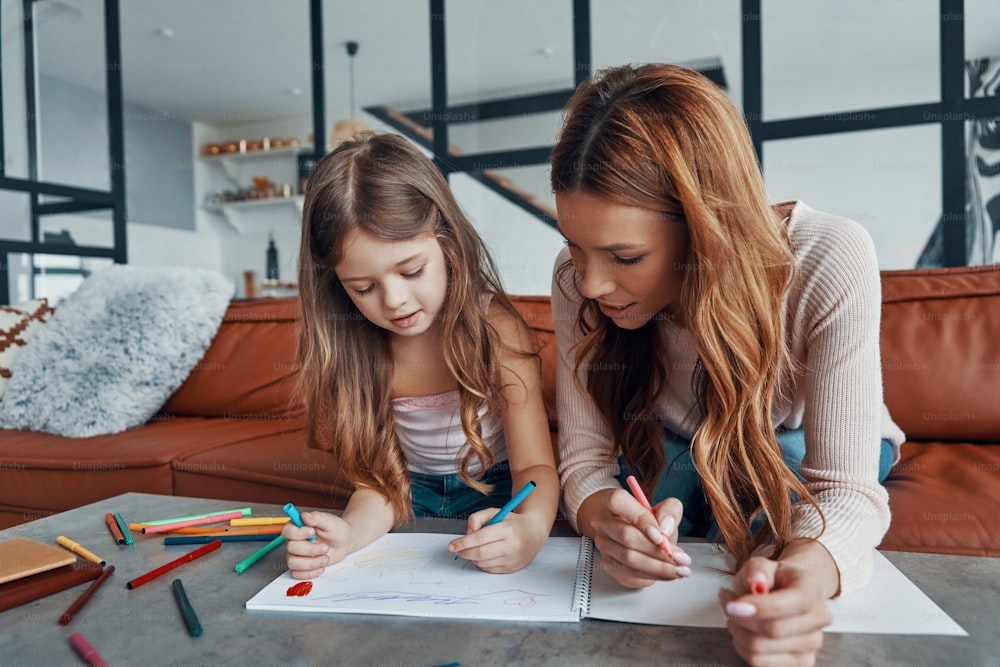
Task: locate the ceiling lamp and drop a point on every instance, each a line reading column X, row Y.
column 347, row 128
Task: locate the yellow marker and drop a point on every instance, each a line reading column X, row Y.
column 260, row 521
column 76, row 548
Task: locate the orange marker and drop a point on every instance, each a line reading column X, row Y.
column 116, row 532
column 261, row 521
column 164, row 527
column 633, row 484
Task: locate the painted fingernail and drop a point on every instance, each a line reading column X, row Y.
column 681, row 558
column 683, row 571
column 742, row 609
column 653, row 534
column 667, row 525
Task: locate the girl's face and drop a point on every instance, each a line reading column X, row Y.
column 630, row 260
column 397, row 285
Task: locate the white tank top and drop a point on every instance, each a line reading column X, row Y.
column 430, row 432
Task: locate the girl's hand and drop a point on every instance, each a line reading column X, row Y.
column 628, row 537
column 783, row 626
column 306, row 559
column 504, row 547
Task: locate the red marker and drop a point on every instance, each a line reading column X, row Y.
column 186, row 558
column 633, row 484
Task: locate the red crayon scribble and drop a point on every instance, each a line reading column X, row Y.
column 300, row 589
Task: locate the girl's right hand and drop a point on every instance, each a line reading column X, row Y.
column 628, row 537
column 307, row 560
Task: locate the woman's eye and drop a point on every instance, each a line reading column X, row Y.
column 367, row 290
column 628, row 260
column 416, row 274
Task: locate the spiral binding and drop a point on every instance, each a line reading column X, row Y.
column 581, row 589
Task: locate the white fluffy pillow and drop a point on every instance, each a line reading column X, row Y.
column 115, row 350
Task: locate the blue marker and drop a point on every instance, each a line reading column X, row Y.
column 296, row 518
column 512, row 503
column 509, row 507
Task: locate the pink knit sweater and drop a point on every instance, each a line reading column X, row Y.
column 832, row 314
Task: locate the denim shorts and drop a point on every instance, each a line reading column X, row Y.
column 449, row 497
column 680, row 479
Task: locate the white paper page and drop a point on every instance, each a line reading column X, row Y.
column 890, row 604
column 414, row 574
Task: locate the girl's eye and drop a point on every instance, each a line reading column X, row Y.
column 416, row 274
column 628, row 260
column 367, row 290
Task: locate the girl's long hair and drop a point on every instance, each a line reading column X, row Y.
column 667, row 139
column 383, row 185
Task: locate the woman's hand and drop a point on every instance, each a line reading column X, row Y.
column 507, row 546
column 783, row 626
column 629, row 537
column 306, row 559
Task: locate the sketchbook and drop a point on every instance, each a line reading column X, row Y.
column 414, row 574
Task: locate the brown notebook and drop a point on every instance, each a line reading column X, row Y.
column 26, row 589
column 20, row 557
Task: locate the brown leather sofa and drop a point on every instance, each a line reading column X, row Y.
column 234, row 429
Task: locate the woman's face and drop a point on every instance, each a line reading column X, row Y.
column 630, row 260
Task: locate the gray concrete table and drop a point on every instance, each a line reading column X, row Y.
column 143, row 626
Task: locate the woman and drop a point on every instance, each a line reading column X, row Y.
column 723, row 350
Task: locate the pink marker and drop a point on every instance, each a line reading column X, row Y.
column 633, row 484
column 86, row 651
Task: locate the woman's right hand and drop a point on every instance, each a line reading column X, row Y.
column 307, row 560
column 629, row 537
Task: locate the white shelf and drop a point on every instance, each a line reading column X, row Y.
column 235, row 210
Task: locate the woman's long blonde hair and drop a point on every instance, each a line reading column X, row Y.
column 383, row 185
column 667, row 139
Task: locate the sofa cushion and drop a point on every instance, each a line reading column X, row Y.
column 251, row 368
column 943, row 498
column 18, row 323
column 41, row 472
column 115, row 350
column 537, row 313
column 274, row 467
column 940, row 352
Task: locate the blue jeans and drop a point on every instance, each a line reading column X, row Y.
column 680, row 479
column 449, row 497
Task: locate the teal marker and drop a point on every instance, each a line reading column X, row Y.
column 187, row 611
column 293, row 514
column 124, row 528
column 509, row 507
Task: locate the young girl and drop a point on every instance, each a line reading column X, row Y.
column 747, row 394
column 418, row 373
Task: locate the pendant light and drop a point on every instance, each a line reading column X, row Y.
column 347, row 128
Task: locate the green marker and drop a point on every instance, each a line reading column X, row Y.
column 242, row 566
column 245, row 511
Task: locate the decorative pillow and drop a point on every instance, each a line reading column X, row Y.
column 18, row 324
column 115, row 350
